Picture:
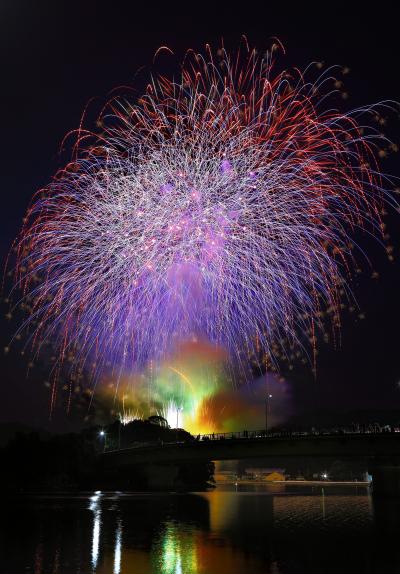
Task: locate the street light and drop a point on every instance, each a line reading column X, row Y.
column 266, row 411
column 102, row 434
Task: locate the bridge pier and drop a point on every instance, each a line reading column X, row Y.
column 385, row 478
column 161, row 476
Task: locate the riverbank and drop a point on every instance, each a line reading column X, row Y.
column 297, row 482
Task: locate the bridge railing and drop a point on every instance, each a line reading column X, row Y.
column 259, row 434
column 245, row 434
column 263, row 434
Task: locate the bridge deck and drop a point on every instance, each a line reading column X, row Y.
column 355, row 445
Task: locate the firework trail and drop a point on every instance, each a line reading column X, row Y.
column 218, row 206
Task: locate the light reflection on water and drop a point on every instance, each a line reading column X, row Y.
column 117, row 550
column 264, row 529
column 95, row 507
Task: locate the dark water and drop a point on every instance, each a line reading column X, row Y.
column 268, row 529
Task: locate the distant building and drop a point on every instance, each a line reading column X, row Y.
column 267, row 474
column 222, row 476
column 274, row 476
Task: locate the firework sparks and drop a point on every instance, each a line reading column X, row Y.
column 191, row 391
column 216, row 207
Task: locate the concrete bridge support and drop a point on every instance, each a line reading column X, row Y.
column 385, row 477
column 161, row 476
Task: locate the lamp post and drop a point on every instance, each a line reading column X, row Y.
column 102, row 434
column 266, row 411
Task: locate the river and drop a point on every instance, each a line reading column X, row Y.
column 275, row 529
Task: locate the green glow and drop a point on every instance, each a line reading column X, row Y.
column 175, row 553
column 180, row 389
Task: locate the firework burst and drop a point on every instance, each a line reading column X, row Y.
column 218, row 206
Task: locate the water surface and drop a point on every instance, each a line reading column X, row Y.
column 250, row 529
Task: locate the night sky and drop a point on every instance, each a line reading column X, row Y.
column 55, row 56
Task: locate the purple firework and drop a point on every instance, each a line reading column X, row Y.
column 219, row 206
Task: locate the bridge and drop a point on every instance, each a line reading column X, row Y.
column 380, row 449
